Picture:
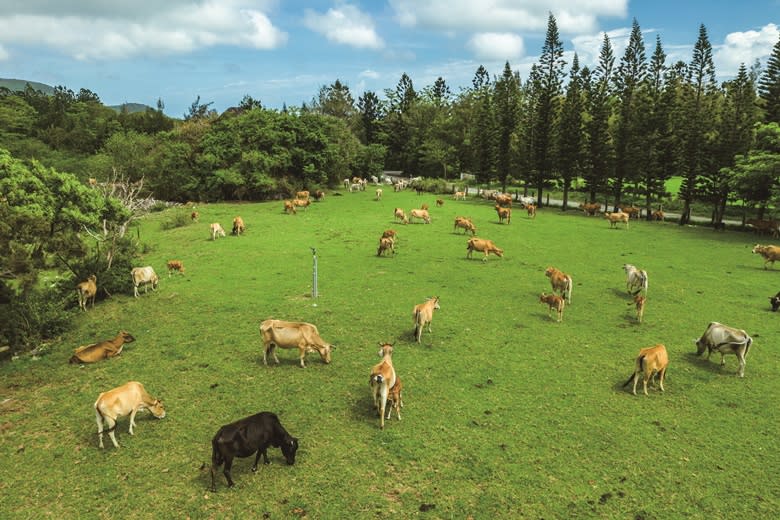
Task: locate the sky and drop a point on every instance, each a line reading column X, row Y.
column 282, row 52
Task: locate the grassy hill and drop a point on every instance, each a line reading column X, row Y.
column 20, row 84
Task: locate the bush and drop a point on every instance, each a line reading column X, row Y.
column 37, row 315
column 178, row 220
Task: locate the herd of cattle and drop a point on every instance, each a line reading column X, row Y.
column 254, row 434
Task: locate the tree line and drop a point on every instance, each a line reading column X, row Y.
column 618, row 131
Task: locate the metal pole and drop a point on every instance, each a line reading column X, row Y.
column 314, row 292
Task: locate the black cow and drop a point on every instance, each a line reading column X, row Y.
column 775, row 301
column 247, row 436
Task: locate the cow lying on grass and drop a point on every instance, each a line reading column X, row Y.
column 101, row 350
column 247, row 436
column 129, row 398
column 650, row 361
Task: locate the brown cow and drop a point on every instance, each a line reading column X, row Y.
column 194, row 216
column 616, row 217
column 129, row 398
column 385, row 244
column 658, row 215
column 302, row 195
column 504, row 200
column 484, row 246
column 439, row 202
column 650, row 361
column 769, row 253
column 293, row 334
column 289, row 207
column 102, row 350
column 531, row 209
column 560, row 282
column 639, row 303
column 301, row 203
column 238, row 226
column 504, row 214
column 631, row 211
column 553, row 301
column 400, row 215
column 421, row 214
column 175, row 265
column 590, row 208
column 466, row 224
column 87, row 290
column 381, row 380
column 423, row 315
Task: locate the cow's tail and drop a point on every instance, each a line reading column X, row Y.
column 569, row 286
column 376, row 379
column 417, row 323
column 640, row 362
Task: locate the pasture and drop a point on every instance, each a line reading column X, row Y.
column 507, row 414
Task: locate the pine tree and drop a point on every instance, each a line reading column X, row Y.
column 507, row 104
column 570, row 131
column 769, row 86
column 600, row 151
column 370, row 110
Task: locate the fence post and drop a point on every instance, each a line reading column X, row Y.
column 314, row 292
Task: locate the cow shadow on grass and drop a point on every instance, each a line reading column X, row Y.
column 711, row 365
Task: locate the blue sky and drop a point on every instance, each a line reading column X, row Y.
column 283, row 51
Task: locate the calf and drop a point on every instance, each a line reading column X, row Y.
column 639, row 303
column 381, row 380
column 101, row 350
column 394, row 398
column 379, row 194
column 175, row 265
column 553, row 301
column 385, row 244
column 775, row 302
column 216, row 230
column 247, row 436
column 531, row 209
column 439, row 203
column 423, row 315
column 194, row 216
column 86, row 291
column 238, row 226
column 129, row 398
column 289, row 207
column 400, row 215
column 650, row 361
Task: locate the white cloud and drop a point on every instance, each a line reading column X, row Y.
column 3, row 54
column 496, row 46
column 93, row 31
column 572, row 16
column 344, row 24
column 744, row 47
column 368, row 73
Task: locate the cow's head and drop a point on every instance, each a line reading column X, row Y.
column 701, row 345
column 499, row 252
column 289, row 448
column 126, row 337
column 775, row 302
column 157, row 409
column 325, row 352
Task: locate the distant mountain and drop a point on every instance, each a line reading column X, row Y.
column 20, row 84
column 131, row 107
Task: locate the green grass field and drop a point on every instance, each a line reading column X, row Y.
column 507, row 414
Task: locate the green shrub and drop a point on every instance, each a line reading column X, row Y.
column 177, row 220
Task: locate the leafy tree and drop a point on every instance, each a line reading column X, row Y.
column 756, row 174
column 769, row 86
column 336, row 100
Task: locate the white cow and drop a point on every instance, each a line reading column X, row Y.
column 726, row 340
column 144, row 276
column 636, row 279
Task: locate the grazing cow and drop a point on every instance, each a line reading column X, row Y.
column 130, row 398
column 636, row 279
column 385, row 244
column 650, row 361
column 101, row 350
column 293, row 334
column 616, row 217
column 381, row 380
column 769, row 253
column 726, row 340
column 466, row 224
column 639, row 303
column 194, row 216
column 439, row 203
column 319, row 195
column 504, row 200
column 394, row 398
column 346, row 183
column 422, row 214
column 553, row 301
column 631, row 211
column 238, row 226
column 379, row 194
column 355, row 187
column 144, row 276
column 216, row 230
column 775, row 302
column 303, row 195
column 459, row 195
column 484, row 246
column 423, row 315
column 289, row 207
column 400, row 215
column 175, row 265
column 658, row 215
column 245, row 437
column 560, row 282
column 301, row 203
column 504, row 214
column 590, row 208
column 87, row 290
column 531, row 209
column 526, row 200
column 761, row 227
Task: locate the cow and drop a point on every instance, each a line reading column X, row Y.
column 504, row 200
column 531, row 209
column 553, row 302
column 391, row 234
column 245, row 437
column 238, row 226
column 421, row 214
column 378, row 194
column 560, row 282
column 356, row 186
column 769, row 253
column 774, row 301
column 144, row 276
column 466, row 224
column 658, row 215
column 194, row 216
column 289, row 207
column 301, row 203
column 385, row 244
column 129, row 398
column 422, row 314
column 101, row 350
column 400, row 215
column 216, row 230
column 302, row 195
column 636, row 279
column 484, row 246
column 639, row 303
column 726, row 340
column 526, row 200
column 459, row 195
column 87, row 290
column 175, row 265
column 616, row 217
column 293, row 334
column 503, row 214
column 439, row 203
column 394, row 398
column 650, row 361
column 381, row 380
column 424, row 206
column 631, row 211
column 590, row 208
column 761, row 227
column 319, row 195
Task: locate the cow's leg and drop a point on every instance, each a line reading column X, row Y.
column 132, row 419
column 226, row 471
column 636, row 380
column 722, row 358
column 383, row 402
column 135, row 290
column 741, row 357
column 303, row 355
column 260, row 452
column 111, row 423
column 661, row 377
column 644, row 382
column 99, row 419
